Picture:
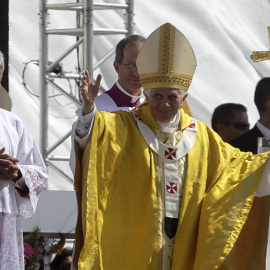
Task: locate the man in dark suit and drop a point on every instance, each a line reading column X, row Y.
column 248, row 141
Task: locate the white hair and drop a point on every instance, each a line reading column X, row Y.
column 2, row 64
column 148, row 91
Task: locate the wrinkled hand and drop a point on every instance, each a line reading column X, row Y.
column 89, row 92
column 8, row 168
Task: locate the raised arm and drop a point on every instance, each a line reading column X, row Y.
column 82, row 127
column 89, row 92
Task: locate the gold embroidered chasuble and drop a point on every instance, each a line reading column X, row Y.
column 118, row 197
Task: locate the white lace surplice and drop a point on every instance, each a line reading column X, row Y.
column 13, row 207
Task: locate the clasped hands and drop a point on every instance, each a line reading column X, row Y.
column 8, row 167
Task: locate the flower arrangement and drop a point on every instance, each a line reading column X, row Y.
column 31, row 249
column 38, row 250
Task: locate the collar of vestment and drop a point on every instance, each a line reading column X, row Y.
column 145, row 120
column 122, row 98
column 143, row 111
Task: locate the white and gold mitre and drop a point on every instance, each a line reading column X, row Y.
column 166, row 59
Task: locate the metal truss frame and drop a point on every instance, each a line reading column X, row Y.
column 85, row 37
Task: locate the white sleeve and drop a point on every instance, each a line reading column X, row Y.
column 82, row 127
column 81, row 130
column 264, row 185
column 34, row 174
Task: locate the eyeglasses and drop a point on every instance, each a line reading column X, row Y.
column 238, row 125
column 129, row 65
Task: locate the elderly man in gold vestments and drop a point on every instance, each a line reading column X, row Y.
column 158, row 189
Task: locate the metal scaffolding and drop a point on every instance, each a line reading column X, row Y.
column 85, row 33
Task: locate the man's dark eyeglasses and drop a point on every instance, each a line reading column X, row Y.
column 238, row 125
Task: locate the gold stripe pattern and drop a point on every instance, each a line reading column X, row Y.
column 166, row 49
column 174, row 80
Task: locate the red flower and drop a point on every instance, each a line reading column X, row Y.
column 28, row 251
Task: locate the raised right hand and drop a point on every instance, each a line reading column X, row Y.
column 89, row 92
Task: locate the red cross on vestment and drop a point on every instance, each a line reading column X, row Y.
column 170, row 153
column 171, row 187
